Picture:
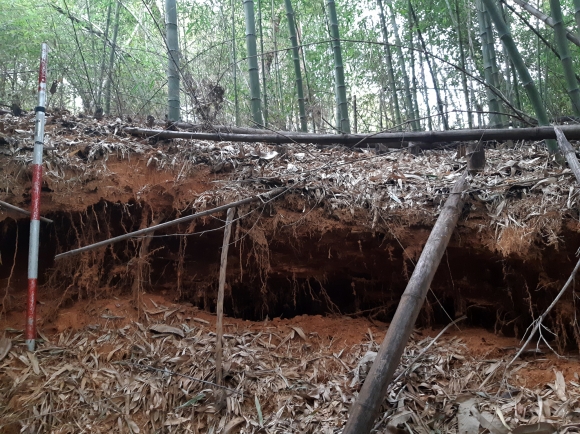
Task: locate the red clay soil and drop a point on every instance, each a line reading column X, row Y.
column 340, row 332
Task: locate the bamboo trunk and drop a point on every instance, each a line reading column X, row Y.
column 389, row 64
column 235, row 68
column 409, row 110
column 264, row 88
column 440, row 105
column 343, row 122
column 571, row 36
column 173, row 66
column 296, row 59
column 365, row 409
column 492, row 99
column 521, row 68
column 392, row 140
column 565, row 56
column 255, row 99
column 112, row 59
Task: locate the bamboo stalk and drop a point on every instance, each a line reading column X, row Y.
column 220, row 298
column 255, row 99
column 343, row 122
column 173, row 54
column 393, row 140
column 21, row 211
column 565, row 56
column 568, row 152
column 296, row 59
column 522, row 69
column 571, row 36
column 370, row 398
column 260, row 197
column 389, row 64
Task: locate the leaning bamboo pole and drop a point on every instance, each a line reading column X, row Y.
column 522, row 69
column 565, row 56
column 272, row 194
column 571, row 36
column 365, row 409
column 393, row 140
column 7, row 206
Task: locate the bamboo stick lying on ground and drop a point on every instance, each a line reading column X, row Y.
column 365, row 409
column 425, row 139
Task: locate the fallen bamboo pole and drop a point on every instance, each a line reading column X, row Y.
column 395, row 140
column 568, row 152
column 365, row 409
column 220, row 299
column 260, row 197
column 21, row 211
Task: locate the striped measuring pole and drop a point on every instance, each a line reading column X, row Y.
column 35, row 205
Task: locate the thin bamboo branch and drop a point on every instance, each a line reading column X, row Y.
column 21, row 211
column 260, row 197
column 220, row 298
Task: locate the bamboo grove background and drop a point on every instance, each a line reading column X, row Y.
column 444, row 65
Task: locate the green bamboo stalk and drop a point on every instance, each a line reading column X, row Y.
column 112, row 59
column 173, row 67
column 308, row 88
column 343, row 122
column 265, row 90
column 409, row 110
column 103, row 60
column 565, row 57
column 389, row 64
column 463, row 65
column 440, row 105
column 487, row 66
column 296, row 58
column 493, row 62
column 235, row 67
column 255, row 100
column 506, row 38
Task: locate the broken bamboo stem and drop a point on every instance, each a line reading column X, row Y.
column 366, row 407
column 21, row 211
column 568, row 152
column 260, row 197
column 220, row 298
column 393, row 140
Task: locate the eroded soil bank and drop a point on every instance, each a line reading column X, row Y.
column 292, row 257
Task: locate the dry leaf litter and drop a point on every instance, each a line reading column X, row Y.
column 155, row 376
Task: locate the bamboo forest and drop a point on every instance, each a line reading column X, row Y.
column 344, row 66
column 289, row 216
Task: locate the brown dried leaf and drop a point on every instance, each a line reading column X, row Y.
column 232, row 424
column 5, row 347
column 164, row 328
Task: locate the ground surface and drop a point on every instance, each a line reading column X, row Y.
column 313, row 279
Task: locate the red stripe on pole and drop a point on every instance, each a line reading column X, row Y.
column 31, row 310
column 35, row 193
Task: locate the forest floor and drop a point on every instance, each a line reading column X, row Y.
column 314, row 277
